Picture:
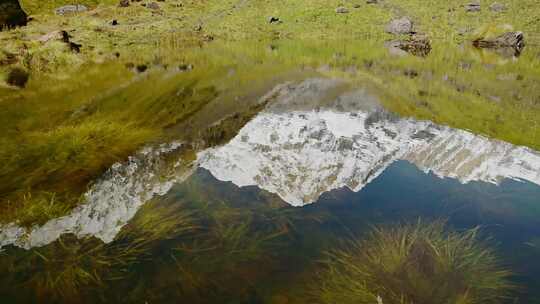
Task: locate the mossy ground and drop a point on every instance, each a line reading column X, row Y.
column 81, row 112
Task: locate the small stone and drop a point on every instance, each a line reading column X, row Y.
column 123, row 3
column 400, row 26
column 273, row 19
column 342, row 10
column 153, row 6
column 141, row 68
column 497, row 7
column 70, row 9
column 185, row 67
column 494, row 98
column 18, row 77
column 474, row 6
column 357, row 6
column 114, row 22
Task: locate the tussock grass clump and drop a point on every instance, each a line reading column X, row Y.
column 414, row 263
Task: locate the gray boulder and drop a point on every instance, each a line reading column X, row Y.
column 400, row 26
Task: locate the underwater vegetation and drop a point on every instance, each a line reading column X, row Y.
column 67, row 270
column 200, row 251
column 414, row 263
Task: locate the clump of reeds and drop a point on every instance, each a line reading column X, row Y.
column 416, row 263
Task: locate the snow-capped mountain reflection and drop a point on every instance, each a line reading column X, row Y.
column 313, row 137
column 300, row 153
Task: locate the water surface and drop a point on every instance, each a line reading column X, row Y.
column 248, row 192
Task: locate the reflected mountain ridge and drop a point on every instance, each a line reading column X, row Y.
column 304, row 153
column 111, row 202
column 314, row 137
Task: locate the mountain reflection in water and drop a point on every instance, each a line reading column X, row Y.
column 315, row 136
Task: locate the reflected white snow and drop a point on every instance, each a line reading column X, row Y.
column 300, row 152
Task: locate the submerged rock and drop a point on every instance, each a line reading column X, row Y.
column 415, row 45
column 18, row 77
column 400, row 26
column 11, row 14
column 70, row 9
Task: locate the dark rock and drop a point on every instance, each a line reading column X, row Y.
column 141, row 68
column 185, row 67
column 123, row 3
column 11, row 14
column 70, row 9
column 66, row 38
column 273, row 19
column 208, row 38
column 410, row 73
column 473, row 6
column 114, row 22
column 400, row 26
column 18, row 77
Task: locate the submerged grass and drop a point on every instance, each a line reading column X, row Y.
column 414, row 263
column 70, row 269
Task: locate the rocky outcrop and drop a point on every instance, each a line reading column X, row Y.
column 11, row 14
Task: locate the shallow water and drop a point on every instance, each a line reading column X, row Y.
column 245, row 211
